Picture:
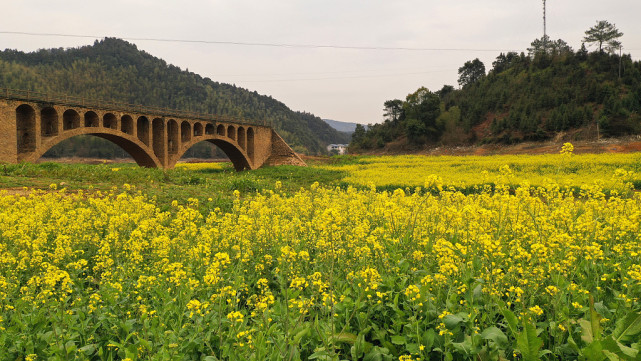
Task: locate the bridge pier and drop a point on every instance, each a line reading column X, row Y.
column 28, row 128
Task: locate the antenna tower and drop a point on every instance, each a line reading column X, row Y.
column 545, row 35
column 544, row 29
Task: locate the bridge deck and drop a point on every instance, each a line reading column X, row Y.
column 74, row 101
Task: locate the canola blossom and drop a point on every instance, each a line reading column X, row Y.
column 464, row 172
column 324, row 273
column 202, row 166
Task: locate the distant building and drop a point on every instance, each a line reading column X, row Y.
column 337, row 148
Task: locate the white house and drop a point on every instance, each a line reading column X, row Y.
column 337, row 148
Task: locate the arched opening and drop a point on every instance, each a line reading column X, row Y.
column 220, row 130
column 241, row 137
column 158, row 135
column 185, row 132
column 209, row 129
column 172, row 136
column 222, row 151
column 198, row 129
column 250, row 143
column 87, row 146
column 110, row 121
column 127, row 124
column 26, row 128
column 231, row 132
column 142, row 128
column 234, row 154
column 48, row 122
column 102, row 146
column 91, row 119
column 70, row 119
column 204, row 151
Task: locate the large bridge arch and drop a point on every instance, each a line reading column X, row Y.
column 238, row 157
column 134, row 147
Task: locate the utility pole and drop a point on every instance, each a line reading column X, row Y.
column 620, row 59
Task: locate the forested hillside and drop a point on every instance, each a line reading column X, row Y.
column 540, row 96
column 116, row 70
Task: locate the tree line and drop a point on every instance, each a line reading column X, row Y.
column 531, row 96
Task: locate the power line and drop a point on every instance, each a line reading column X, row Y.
column 241, row 43
column 344, row 77
column 347, row 72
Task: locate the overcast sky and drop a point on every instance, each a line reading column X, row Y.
column 342, row 84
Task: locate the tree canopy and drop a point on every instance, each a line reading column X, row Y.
column 602, row 32
column 471, row 72
column 545, row 45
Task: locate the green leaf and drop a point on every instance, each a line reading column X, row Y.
column 528, row 342
column 345, row 337
column 451, row 321
column 377, row 354
column 602, row 309
column 320, row 355
column 428, row 339
column 495, row 334
column 88, row 349
column 595, row 321
column 398, row 340
column 593, row 352
column 624, row 352
column 627, row 328
column 464, row 348
column 586, row 330
column 512, row 321
column 301, row 334
column 413, row 348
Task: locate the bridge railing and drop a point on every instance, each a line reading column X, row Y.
column 74, row 101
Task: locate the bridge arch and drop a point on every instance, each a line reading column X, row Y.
column 49, row 122
column 127, row 124
column 26, row 128
column 157, row 134
column 241, row 137
column 250, row 143
column 70, row 119
column 91, row 119
column 172, row 136
column 109, row 120
column 129, row 144
column 198, row 129
column 185, row 132
column 142, row 129
column 236, row 155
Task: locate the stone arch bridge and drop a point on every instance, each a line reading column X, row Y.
column 31, row 123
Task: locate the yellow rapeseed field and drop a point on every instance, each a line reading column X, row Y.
column 566, row 170
column 327, row 273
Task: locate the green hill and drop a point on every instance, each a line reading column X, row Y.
column 574, row 95
column 116, row 70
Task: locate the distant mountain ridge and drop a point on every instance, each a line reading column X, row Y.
column 345, row 127
column 116, row 70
